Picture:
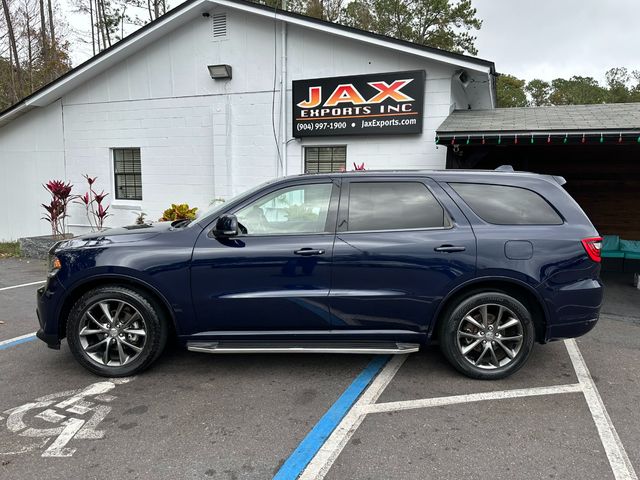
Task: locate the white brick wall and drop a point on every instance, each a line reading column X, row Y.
column 31, row 153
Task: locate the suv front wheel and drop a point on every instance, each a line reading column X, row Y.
column 487, row 336
column 115, row 331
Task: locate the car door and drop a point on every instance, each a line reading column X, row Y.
column 276, row 275
column 401, row 245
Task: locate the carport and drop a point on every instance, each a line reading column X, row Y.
column 596, row 148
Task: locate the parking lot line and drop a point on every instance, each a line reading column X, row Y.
column 308, row 448
column 473, row 397
column 12, row 342
column 21, row 285
column 320, row 464
column 616, row 453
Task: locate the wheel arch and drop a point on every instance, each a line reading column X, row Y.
column 519, row 290
column 74, row 293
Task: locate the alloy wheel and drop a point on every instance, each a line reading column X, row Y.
column 112, row 332
column 490, row 336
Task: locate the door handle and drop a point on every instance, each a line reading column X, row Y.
column 307, row 252
column 449, row 248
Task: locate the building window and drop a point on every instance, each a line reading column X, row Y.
column 128, row 173
column 325, row 159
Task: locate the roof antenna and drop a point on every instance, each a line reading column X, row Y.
column 505, row 168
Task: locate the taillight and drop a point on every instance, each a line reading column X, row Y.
column 593, row 246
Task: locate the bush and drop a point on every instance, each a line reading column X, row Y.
column 56, row 210
column 179, row 211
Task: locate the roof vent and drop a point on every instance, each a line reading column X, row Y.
column 219, row 25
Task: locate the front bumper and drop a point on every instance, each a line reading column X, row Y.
column 52, row 341
column 46, row 306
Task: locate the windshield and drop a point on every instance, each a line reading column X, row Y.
column 216, row 209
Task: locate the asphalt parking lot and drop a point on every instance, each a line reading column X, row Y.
column 571, row 412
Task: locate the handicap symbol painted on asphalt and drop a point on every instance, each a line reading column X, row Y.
column 76, row 414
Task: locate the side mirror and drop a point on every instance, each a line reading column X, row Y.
column 226, row 226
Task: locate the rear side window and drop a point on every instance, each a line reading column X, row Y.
column 393, row 206
column 504, row 205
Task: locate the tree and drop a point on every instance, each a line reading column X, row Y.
column 445, row 24
column 442, row 24
column 330, row 10
column 577, row 91
column 30, row 56
column 510, row 91
column 13, row 53
column 618, row 80
column 538, row 91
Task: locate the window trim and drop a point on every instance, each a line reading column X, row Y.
column 314, row 145
column 332, row 213
column 343, row 214
column 464, row 202
column 123, row 202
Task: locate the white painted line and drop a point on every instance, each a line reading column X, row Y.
column 321, row 463
column 17, row 340
column 22, row 285
column 617, row 455
column 473, row 397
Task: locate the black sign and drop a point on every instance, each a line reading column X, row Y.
column 372, row 104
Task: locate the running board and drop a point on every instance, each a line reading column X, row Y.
column 304, row 347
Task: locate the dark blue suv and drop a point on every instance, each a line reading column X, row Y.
column 364, row 262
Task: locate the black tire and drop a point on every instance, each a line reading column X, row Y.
column 153, row 318
column 452, row 346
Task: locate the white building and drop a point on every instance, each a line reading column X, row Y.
column 149, row 104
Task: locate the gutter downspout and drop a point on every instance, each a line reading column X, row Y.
column 491, row 79
column 283, row 94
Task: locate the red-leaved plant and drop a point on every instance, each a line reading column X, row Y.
column 56, row 210
column 97, row 213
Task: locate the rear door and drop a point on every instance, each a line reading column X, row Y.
column 402, row 244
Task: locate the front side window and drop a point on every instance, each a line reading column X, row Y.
column 325, row 159
column 293, row 210
column 393, row 206
column 127, row 169
column 505, row 205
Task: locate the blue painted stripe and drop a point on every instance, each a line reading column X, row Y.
column 13, row 343
column 300, row 458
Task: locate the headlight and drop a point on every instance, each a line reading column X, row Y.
column 53, row 248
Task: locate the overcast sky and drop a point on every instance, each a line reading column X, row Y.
column 559, row 38
column 529, row 38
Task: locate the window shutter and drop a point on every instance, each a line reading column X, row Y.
column 325, row 159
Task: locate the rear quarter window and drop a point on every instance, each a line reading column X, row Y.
column 507, row 205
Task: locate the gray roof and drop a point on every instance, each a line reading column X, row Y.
column 566, row 118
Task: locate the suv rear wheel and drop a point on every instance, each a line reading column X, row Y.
column 115, row 331
column 488, row 335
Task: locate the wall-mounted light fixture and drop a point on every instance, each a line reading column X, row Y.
column 219, row 71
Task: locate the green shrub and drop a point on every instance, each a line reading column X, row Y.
column 179, row 211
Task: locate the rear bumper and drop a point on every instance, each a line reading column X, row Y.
column 573, row 308
column 570, row 330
